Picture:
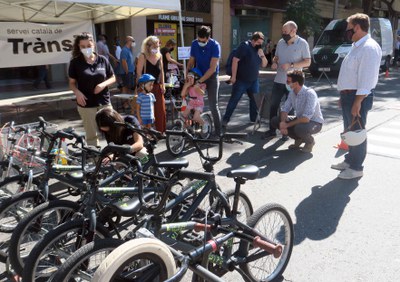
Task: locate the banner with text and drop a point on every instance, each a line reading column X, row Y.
column 30, row 44
column 165, row 32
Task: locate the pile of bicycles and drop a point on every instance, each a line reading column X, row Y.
column 135, row 219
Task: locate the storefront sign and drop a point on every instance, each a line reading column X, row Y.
column 184, row 19
column 165, row 32
column 183, row 53
column 30, row 44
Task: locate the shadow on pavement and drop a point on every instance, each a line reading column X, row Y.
column 318, row 215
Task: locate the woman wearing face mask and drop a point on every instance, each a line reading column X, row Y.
column 90, row 75
column 150, row 62
column 167, row 59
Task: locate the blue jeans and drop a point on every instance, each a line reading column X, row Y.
column 356, row 155
column 240, row 87
column 278, row 91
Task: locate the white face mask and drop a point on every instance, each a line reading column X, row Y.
column 87, row 52
column 202, row 44
column 133, row 44
column 154, row 51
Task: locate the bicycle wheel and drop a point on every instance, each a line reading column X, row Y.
column 245, row 208
column 206, row 128
column 275, row 223
column 17, row 184
column 176, row 144
column 144, row 259
column 34, row 226
column 82, row 265
column 55, row 248
column 15, row 208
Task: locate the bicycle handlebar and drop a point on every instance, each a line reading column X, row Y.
column 226, row 137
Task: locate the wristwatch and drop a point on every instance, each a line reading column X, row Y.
column 292, row 65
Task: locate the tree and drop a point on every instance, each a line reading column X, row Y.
column 305, row 14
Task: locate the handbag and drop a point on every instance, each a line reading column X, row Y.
column 354, row 137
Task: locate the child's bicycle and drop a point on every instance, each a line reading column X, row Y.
column 176, row 144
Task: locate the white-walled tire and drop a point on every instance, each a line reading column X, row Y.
column 139, row 251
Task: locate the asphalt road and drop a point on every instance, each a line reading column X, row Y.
column 345, row 230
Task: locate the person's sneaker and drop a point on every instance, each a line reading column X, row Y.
column 349, row 173
column 296, row 144
column 340, row 166
column 269, row 134
column 308, row 147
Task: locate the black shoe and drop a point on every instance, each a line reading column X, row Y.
column 284, row 138
column 269, row 134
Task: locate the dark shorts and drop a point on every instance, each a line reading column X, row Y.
column 127, row 80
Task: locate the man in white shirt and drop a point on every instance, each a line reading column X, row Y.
column 358, row 77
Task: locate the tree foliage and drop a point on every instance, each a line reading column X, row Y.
column 305, row 14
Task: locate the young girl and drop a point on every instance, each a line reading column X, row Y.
column 117, row 134
column 196, row 95
column 145, row 100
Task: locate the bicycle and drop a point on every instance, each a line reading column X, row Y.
column 241, row 247
column 49, row 215
column 176, row 143
column 180, row 206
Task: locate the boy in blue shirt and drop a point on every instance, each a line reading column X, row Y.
column 145, row 101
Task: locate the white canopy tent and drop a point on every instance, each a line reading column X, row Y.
column 72, row 11
column 64, row 11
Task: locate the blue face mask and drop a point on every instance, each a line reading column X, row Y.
column 288, row 87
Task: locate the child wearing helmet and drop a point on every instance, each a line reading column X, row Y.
column 145, row 100
column 196, row 92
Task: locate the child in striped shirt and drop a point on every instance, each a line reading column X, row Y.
column 145, row 101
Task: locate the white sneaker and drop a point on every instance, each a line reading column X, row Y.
column 350, row 174
column 340, row 166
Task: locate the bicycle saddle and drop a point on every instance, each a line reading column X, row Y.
column 177, row 164
column 245, row 171
column 130, row 207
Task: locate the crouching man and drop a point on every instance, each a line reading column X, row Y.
column 308, row 118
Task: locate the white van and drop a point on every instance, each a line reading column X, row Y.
column 332, row 47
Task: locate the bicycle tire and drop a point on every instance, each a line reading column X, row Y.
column 175, row 144
column 206, row 128
column 245, row 207
column 14, row 208
column 141, row 249
column 47, row 247
column 82, row 265
column 268, row 268
column 34, row 226
column 16, row 184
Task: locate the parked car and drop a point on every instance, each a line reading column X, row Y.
column 332, row 46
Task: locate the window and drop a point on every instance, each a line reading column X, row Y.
column 200, row 6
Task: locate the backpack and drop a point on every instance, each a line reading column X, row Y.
column 228, row 66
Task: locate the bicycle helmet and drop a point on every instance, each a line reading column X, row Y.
column 197, row 73
column 146, row 78
column 354, row 138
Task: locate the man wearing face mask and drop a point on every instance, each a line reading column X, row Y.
column 292, row 52
column 357, row 79
column 245, row 66
column 102, row 48
column 308, row 119
column 204, row 55
column 127, row 64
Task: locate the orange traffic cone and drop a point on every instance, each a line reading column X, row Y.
column 387, row 73
column 342, row 146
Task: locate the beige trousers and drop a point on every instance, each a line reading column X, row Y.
column 88, row 116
